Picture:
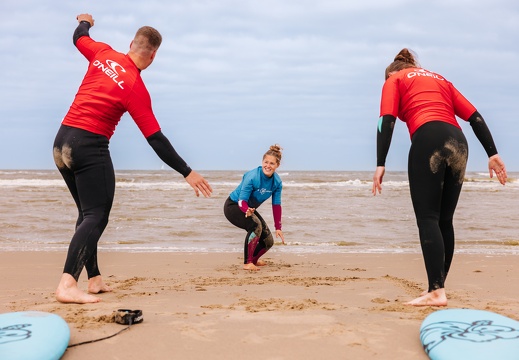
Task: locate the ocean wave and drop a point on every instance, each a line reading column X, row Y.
column 167, row 180
column 31, row 183
column 171, row 185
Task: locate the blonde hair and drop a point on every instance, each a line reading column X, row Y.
column 403, row 60
column 147, row 39
column 275, row 150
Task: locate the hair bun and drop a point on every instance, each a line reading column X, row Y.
column 402, row 58
column 276, row 148
column 406, row 56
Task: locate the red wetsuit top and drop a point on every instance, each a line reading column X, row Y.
column 418, row 96
column 111, row 86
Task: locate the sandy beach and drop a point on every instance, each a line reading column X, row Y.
column 201, row 305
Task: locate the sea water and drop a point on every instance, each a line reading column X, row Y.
column 157, row 211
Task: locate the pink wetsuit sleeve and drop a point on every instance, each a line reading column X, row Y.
column 243, row 205
column 276, row 212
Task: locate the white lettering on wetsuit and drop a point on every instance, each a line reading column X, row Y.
column 110, row 70
column 423, row 72
column 263, row 191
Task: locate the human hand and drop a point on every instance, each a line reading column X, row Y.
column 497, row 166
column 199, row 184
column 377, row 180
column 85, row 17
column 249, row 212
column 279, row 234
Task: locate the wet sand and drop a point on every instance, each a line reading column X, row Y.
column 200, row 306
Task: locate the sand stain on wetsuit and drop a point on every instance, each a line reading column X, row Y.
column 455, row 155
column 259, row 240
column 63, row 156
column 261, row 231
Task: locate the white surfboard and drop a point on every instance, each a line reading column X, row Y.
column 469, row 334
column 29, row 335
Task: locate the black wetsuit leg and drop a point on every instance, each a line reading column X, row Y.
column 436, row 170
column 83, row 159
column 255, row 246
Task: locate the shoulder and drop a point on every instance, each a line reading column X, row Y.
column 277, row 180
column 91, row 44
column 392, row 82
column 400, row 76
column 256, row 171
column 251, row 174
column 139, row 90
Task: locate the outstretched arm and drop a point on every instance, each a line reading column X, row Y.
column 85, row 23
column 495, row 164
column 167, row 153
column 386, row 124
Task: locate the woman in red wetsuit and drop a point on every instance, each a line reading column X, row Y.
column 429, row 104
column 111, row 87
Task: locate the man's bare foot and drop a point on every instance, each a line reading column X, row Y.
column 250, row 266
column 68, row 292
column 96, row 285
column 261, row 263
column 433, row 298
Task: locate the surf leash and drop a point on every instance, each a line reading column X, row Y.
column 123, row 317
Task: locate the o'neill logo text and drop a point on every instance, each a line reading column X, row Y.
column 110, row 70
column 423, row 72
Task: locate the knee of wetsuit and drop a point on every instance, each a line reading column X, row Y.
column 269, row 241
column 258, row 229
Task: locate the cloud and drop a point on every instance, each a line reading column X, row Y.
column 237, row 75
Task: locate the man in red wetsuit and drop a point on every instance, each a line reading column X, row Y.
column 111, row 87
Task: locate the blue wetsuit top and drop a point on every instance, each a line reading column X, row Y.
column 256, row 187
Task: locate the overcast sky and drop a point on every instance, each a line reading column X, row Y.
column 235, row 76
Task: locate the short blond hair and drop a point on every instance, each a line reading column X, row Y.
column 147, row 39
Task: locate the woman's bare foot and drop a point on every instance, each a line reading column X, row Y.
column 250, row 266
column 261, row 263
column 68, row 292
column 96, row 285
column 433, row 298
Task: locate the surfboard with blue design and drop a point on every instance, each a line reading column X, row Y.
column 29, row 335
column 469, row 334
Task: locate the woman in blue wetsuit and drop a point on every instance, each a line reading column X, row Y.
column 240, row 207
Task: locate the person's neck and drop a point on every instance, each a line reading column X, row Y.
column 138, row 61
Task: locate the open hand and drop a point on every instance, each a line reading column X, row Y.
column 199, row 184
column 377, row 180
column 279, row 234
column 249, row 212
column 497, row 166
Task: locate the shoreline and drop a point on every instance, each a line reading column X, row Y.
column 509, row 249
column 300, row 306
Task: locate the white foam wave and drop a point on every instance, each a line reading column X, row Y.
column 470, row 183
column 31, row 183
